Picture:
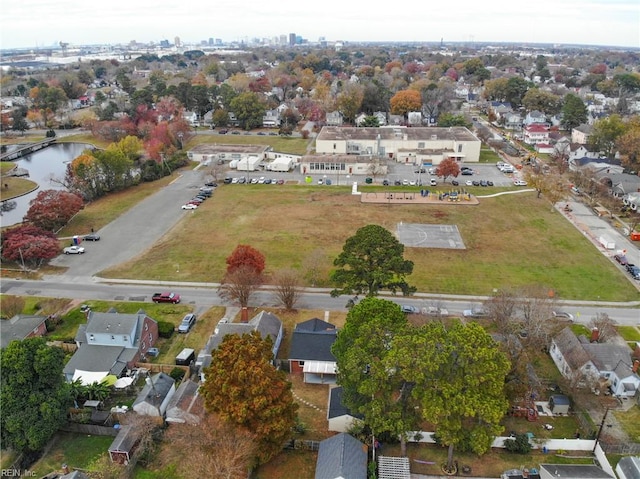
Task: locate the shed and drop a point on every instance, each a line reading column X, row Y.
column 155, row 396
column 122, row 446
column 186, row 357
column 559, row 404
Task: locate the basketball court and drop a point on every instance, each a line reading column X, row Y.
column 416, row 235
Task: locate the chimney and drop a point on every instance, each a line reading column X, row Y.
column 636, row 352
column 636, row 365
column 595, row 335
column 244, row 315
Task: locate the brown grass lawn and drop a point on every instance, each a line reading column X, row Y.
column 295, row 146
column 289, row 464
column 630, row 421
column 512, row 241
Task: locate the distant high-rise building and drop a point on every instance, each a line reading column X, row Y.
column 283, row 40
column 210, row 42
column 176, row 42
column 164, row 43
column 292, row 39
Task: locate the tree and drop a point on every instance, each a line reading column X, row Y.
column 448, row 167
column 349, row 101
column 628, row 145
column 34, row 395
column 215, row 448
column 520, row 444
column 52, row 209
column 495, row 89
column 371, row 260
column 245, row 389
column 371, row 121
column 405, row 101
column 605, row 134
column 605, row 325
column 245, row 255
column 544, row 101
column 373, row 385
column 574, row 112
column 220, row 117
column 28, row 244
column 459, row 384
column 12, row 305
column 249, row 110
column 287, row 283
column 447, row 119
column 240, row 284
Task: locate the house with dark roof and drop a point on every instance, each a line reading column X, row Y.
column 341, row 457
column 310, row 351
column 154, row 398
column 628, row 467
column 21, row 326
column 572, row 471
column 123, row 445
column 587, row 363
column 110, row 343
column 339, row 417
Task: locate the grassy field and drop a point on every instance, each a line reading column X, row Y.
column 295, row 146
column 630, row 421
column 629, row 333
column 511, row 241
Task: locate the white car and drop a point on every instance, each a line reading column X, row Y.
column 519, row 183
column 468, row 183
column 73, row 250
column 433, row 182
column 190, row 206
column 222, row 321
column 261, row 180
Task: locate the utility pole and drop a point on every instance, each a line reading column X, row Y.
column 595, row 445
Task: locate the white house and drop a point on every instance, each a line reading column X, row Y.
column 581, row 134
column 334, row 118
column 536, row 133
column 339, row 417
column 588, row 363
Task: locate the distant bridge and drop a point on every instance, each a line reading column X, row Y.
column 26, row 149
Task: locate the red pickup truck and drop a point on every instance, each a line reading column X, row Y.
column 166, row 298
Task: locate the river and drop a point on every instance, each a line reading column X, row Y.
column 44, row 166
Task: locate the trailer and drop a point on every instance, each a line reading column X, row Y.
column 282, row 164
column 250, row 163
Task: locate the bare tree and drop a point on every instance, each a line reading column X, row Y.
column 213, row 448
column 314, row 265
column 536, row 306
column 288, row 291
column 502, row 308
column 376, row 167
column 240, row 284
column 605, row 325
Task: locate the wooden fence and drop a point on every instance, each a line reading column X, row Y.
column 162, row 368
column 93, row 429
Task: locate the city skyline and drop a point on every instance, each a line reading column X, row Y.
column 40, row 23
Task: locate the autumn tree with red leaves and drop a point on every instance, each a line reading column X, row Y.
column 245, row 255
column 52, row 209
column 29, row 245
column 448, row 167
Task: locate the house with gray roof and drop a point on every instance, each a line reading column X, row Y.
column 341, row 457
column 610, row 364
column 339, row 417
column 21, row 326
column 267, row 324
column 110, row 343
column 310, row 351
column 628, row 467
column 154, row 398
column 186, row 405
column 572, row 471
column 122, row 446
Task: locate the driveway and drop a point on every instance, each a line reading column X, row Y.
column 135, row 231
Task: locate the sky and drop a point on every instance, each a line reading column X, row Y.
column 43, row 23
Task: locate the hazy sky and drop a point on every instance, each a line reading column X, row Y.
column 30, row 23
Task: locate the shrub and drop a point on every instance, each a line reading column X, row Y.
column 177, row 374
column 165, row 329
column 519, row 445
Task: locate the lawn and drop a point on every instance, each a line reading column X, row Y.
column 630, row 421
column 75, row 450
column 282, row 144
column 629, row 333
column 487, row 155
column 511, row 242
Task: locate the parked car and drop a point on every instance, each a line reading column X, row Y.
column 224, row 131
column 562, row 315
column 222, row 321
column 262, row 133
column 475, row 313
column 385, row 182
column 228, row 180
column 190, row 206
column 629, row 266
column 634, row 272
column 483, row 183
column 489, row 183
column 187, row 323
column 519, row 183
column 397, row 183
column 468, row 183
column 435, row 311
column 620, row 258
column 466, row 172
column 433, row 182
column 73, row 250
column 210, row 184
column 92, row 237
column 475, row 183
column 420, row 170
column 455, row 183
column 407, row 308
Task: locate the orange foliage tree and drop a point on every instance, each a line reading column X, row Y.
column 448, row 167
column 246, row 256
column 405, row 101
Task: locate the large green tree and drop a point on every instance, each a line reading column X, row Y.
column 605, row 134
column 372, row 385
column 541, row 100
column 574, row 112
column 458, row 376
column 34, row 395
column 371, row 260
column 249, row 109
column 244, row 388
column 516, row 88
